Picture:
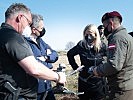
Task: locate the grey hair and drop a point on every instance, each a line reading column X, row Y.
column 35, row 20
column 15, row 9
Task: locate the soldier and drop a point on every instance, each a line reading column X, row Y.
column 102, row 36
column 119, row 66
column 101, row 30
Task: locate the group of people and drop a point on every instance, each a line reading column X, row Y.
column 26, row 60
column 108, row 71
column 91, row 51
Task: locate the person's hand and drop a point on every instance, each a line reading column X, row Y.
column 48, row 51
column 95, row 72
column 42, row 58
column 61, row 78
column 91, row 70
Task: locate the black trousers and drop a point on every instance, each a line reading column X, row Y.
column 93, row 89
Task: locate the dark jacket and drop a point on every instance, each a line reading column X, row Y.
column 93, row 86
column 14, row 48
column 88, row 57
column 39, row 50
column 119, row 68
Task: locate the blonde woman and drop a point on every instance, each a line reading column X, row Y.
column 91, row 37
column 91, row 52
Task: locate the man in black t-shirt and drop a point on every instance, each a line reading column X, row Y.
column 18, row 67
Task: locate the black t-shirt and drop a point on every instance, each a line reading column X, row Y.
column 14, row 48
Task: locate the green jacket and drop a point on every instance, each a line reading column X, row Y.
column 119, row 66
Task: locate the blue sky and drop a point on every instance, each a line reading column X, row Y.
column 65, row 19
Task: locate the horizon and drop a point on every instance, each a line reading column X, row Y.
column 65, row 20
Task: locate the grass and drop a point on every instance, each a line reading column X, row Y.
column 72, row 86
column 72, row 81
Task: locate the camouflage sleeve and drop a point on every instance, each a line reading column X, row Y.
column 117, row 50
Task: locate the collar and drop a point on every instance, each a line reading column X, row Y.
column 5, row 25
column 115, row 31
column 33, row 38
column 118, row 29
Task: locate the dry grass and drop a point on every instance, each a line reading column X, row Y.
column 71, row 81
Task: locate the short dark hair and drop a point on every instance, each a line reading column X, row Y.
column 100, row 27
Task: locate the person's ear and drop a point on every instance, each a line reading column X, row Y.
column 18, row 18
column 111, row 23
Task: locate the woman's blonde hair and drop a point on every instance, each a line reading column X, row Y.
column 97, row 42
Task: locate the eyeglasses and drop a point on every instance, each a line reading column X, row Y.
column 29, row 22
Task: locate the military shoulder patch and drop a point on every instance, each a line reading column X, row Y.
column 111, row 46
